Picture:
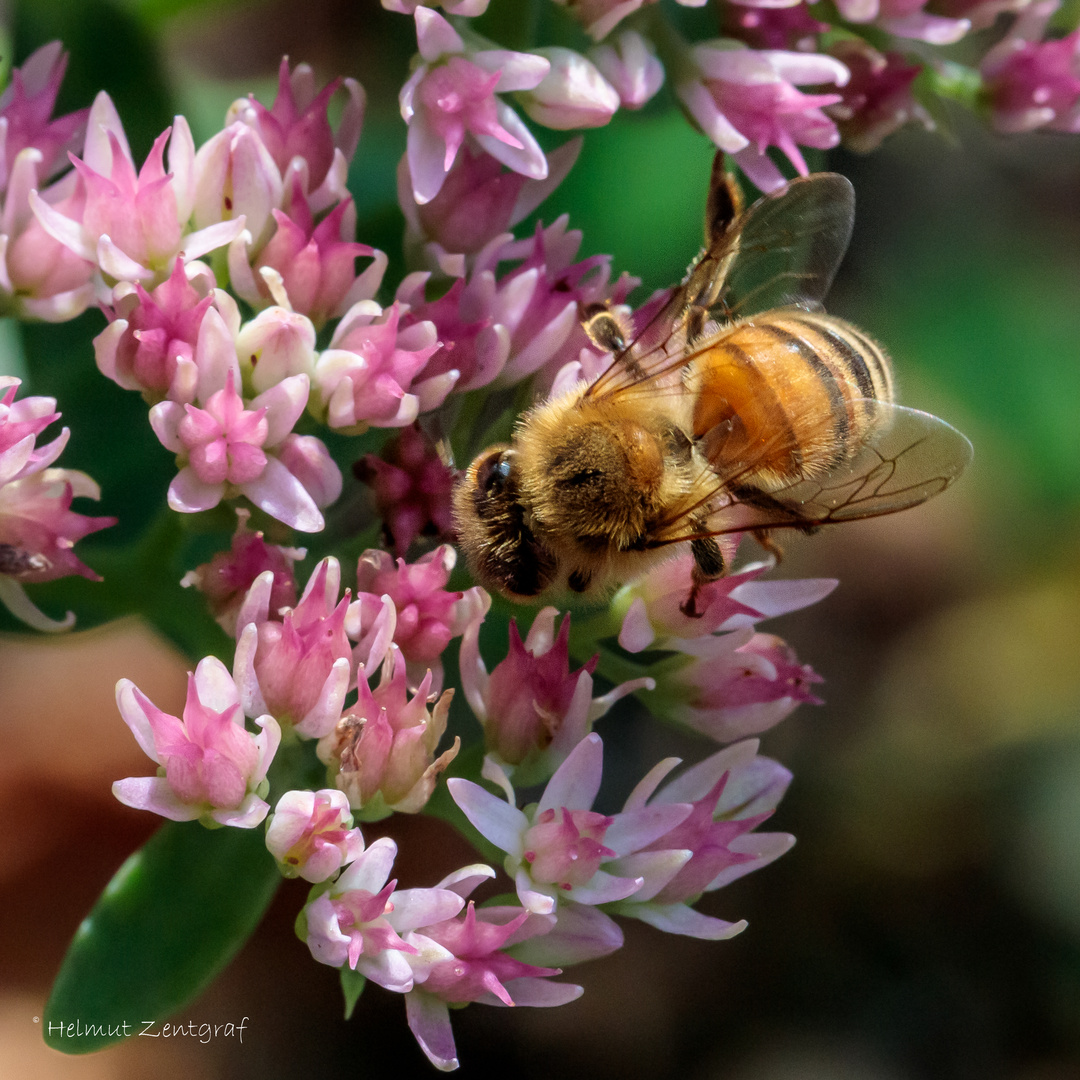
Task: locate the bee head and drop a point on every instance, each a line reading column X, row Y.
column 491, row 523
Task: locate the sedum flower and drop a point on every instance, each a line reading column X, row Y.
column 451, row 7
column 310, row 834
column 274, row 346
column 306, row 266
column 358, row 919
column 366, row 375
column 149, row 344
column 731, row 792
column 297, row 134
column 133, row 225
column 732, row 685
column 211, row 768
column 452, row 94
column 383, row 749
column 38, row 528
column 478, row 201
column 746, row 100
column 228, row 447
column 476, row 966
column 906, row 19
column 412, row 485
column 1030, row 83
column 878, row 98
column 557, row 848
column 26, row 107
column 227, row 577
column 533, row 709
column 428, row 615
column 236, row 176
column 299, row 669
column 573, row 94
column 766, row 27
column 651, row 608
column 630, row 65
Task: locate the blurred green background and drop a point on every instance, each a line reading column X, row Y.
column 927, row 924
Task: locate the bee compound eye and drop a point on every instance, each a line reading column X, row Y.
column 493, row 472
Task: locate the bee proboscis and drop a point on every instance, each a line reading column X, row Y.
column 739, row 407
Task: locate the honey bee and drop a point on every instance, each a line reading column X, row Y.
column 740, row 407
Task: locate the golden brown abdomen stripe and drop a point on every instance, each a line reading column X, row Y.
column 787, row 390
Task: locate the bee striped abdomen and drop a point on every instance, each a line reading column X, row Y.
column 786, row 394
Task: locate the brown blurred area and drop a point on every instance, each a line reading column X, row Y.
column 927, row 924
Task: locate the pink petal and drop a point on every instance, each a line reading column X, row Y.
column 282, row 496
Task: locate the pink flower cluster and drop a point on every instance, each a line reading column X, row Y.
column 38, row 528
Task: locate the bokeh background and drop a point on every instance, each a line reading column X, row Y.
column 927, row 924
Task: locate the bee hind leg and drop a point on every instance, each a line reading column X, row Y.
column 764, row 538
column 708, row 566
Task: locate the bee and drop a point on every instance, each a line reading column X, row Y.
column 739, row 407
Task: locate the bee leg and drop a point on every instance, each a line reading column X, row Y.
column 708, row 566
column 763, row 537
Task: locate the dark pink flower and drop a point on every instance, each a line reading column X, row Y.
column 878, row 98
column 774, row 27
column 26, row 107
column 412, row 486
column 149, row 344
column 1031, row 83
column 307, row 267
column 297, row 126
column 227, row 577
column 383, row 748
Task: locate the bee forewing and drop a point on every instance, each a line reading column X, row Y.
column 908, row 457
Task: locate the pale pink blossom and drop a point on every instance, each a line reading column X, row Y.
column 274, row 346
column 227, row 577
column 41, row 277
column 149, row 344
column 651, row 612
column 366, row 376
column 211, row 768
column 600, row 17
column 533, row 708
column 906, row 19
column 297, row 134
column 236, row 176
column 557, row 849
column 133, row 225
column 630, row 65
column 731, row 793
column 383, row 748
column 358, row 920
column 477, row 966
column 428, row 615
column 412, row 484
column 453, row 94
column 573, row 94
column 451, row 7
column 228, row 447
column 310, row 834
column 746, row 100
column 732, row 685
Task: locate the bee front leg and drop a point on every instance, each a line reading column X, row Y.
column 708, row 566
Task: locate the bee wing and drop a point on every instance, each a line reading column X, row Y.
column 907, row 457
column 784, row 250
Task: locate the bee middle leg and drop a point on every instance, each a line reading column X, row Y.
column 708, row 566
